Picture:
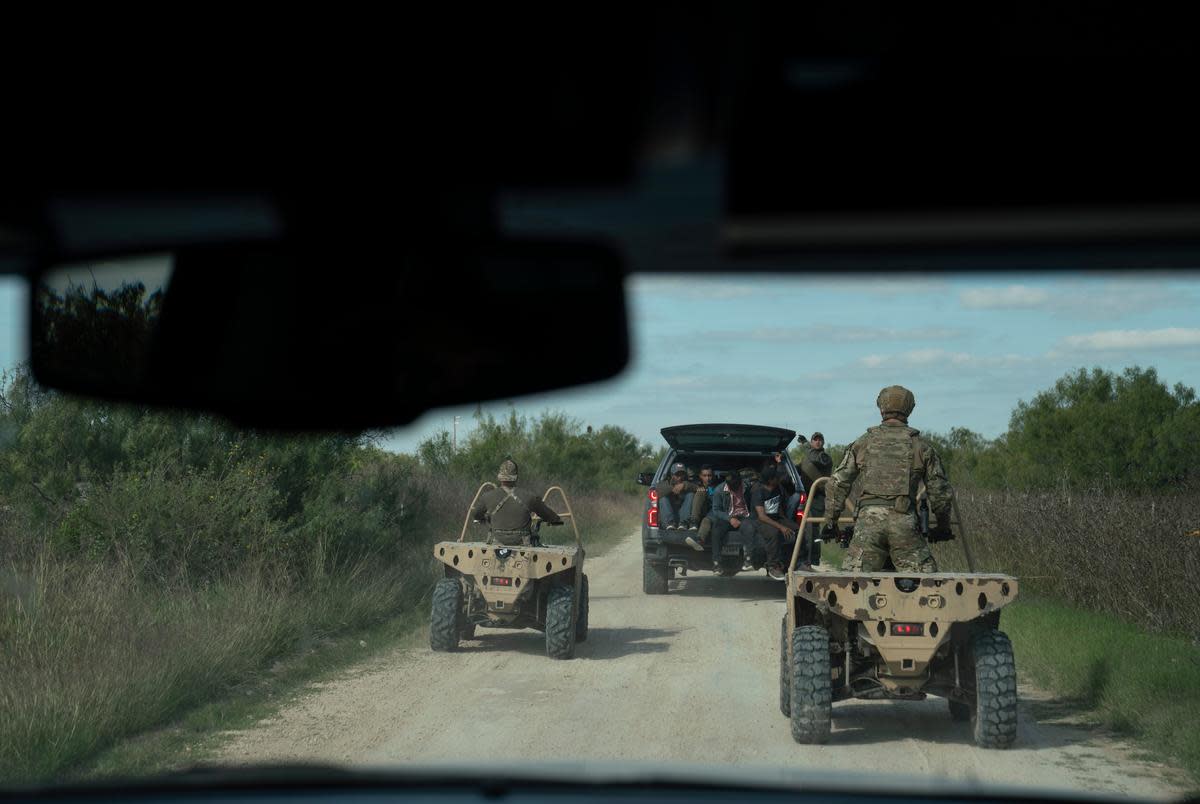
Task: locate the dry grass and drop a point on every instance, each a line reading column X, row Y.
column 1127, row 554
column 93, row 653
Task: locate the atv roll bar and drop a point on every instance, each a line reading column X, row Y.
column 568, row 515
column 488, row 484
column 471, row 507
column 806, row 521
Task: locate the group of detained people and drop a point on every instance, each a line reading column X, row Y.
column 759, row 507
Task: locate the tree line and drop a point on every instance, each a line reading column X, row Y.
column 1092, row 429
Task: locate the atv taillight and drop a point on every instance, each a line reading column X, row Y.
column 800, row 507
column 908, row 629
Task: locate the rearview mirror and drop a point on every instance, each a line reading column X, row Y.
column 274, row 338
column 644, row 478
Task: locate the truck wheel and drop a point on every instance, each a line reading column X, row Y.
column 995, row 690
column 655, row 578
column 811, row 695
column 581, row 622
column 785, row 681
column 560, row 625
column 444, row 626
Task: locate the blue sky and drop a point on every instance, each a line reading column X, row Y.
column 811, row 353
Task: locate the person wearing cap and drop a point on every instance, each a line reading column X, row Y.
column 675, row 495
column 814, row 464
column 892, row 461
column 509, row 511
column 767, row 502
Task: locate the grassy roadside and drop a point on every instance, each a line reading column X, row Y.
column 1112, row 674
column 189, row 665
column 1140, row 685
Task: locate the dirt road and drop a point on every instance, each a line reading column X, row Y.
column 687, row 677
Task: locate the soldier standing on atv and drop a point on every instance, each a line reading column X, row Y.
column 508, row 511
column 893, row 460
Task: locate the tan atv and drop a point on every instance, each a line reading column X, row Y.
column 900, row 636
column 517, row 586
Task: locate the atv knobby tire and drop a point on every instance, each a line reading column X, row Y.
column 581, row 622
column 995, row 690
column 444, row 619
column 785, row 679
column 560, row 622
column 811, row 694
column 655, row 578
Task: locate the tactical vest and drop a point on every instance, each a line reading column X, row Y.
column 893, row 467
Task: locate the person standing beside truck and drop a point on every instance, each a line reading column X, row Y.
column 815, row 463
column 893, row 461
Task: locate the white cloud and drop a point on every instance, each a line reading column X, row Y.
column 1113, row 339
column 1079, row 298
column 808, row 335
column 940, row 357
column 1012, row 297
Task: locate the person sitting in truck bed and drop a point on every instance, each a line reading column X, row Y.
column 701, row 505
column 768, row 502
column 675, row 494
column 731, row 511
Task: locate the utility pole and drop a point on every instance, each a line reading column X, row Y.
column 454, row 438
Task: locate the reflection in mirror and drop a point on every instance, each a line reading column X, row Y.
column 95, row 320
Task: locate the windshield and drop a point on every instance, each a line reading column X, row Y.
column 175, row 591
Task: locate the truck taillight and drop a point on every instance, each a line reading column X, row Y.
column 652, row 516
column 800, row 507
column 654, row 496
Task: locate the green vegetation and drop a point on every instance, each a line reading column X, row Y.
column 155, row 564
column 551, row 446
column 1093, row 429
column 1143, row 685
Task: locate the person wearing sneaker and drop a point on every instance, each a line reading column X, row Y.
column 768, row 503
column 730, row 512
column 701, row 505
column 675, row 494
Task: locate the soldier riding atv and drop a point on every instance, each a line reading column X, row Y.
column 870, row 633
column 511, row 580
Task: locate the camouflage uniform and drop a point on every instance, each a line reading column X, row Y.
column 508, row 511
column 894, row 461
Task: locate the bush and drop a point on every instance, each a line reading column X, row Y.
column 552, row 446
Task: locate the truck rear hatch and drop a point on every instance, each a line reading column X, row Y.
column 728, row 438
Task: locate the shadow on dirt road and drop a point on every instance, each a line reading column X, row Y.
column 602, row 643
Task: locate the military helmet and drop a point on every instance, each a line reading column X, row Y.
column 508, row 470
column 896, row 401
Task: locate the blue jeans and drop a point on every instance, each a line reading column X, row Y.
column 667, row 515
